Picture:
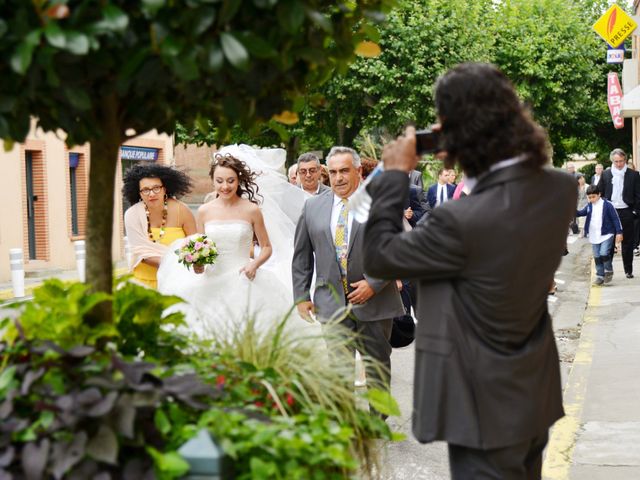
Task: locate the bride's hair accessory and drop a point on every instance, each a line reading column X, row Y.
column 165, row 210
column 246, row 178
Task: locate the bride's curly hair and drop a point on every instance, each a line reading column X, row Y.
column 247, row 186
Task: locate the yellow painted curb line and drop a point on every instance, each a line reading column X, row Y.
column 559, row 454
column 7, row 294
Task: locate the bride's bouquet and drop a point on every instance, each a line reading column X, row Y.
column 197, row 249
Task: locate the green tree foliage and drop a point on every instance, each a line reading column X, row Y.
column 98, row 69
column 420, row 41
column 547, row 47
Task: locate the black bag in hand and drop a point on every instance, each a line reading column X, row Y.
column 404, row 328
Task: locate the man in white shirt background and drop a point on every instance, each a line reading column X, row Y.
column 596, row 178
column 442, row 191
column 621, row 186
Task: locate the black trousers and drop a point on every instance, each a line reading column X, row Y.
column 627, row 221
column 522, row 461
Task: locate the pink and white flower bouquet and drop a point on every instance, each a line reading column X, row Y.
column 197, row 249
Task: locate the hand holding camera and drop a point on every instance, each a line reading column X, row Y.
column 404, row 152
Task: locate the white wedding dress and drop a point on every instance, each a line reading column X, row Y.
column 222, row 300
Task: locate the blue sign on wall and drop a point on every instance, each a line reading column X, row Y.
column 74, row 160
column 139, row 153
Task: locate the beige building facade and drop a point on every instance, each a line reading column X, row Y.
column 43, row 197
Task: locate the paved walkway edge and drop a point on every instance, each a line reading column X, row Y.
column 559, row 452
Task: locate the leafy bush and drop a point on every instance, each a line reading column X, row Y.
column 83, row 413
column 58, row 313
column 77, row 400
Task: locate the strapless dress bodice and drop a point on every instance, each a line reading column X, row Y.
column 233, row 239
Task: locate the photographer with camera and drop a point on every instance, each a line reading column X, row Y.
column 487, row 378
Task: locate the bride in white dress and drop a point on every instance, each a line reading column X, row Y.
column 222, row 297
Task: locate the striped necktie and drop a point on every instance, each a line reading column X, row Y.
column 341, row 241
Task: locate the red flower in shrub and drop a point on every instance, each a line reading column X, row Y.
column 220, row 380
column 258, row 404
column 290, row 400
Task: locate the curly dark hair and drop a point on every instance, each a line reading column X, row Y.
column 483, row 120
column 368, row 165
column 175, row 182
column 246, row 178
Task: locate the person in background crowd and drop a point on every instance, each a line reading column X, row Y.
column 156, row 218
column 595, row 179
column 324, row 175
column 600, row 227
column 582, row 194
column 487, row 375
column 293, row 174
column 441, row 191
column 571, row 169
column 309, row 173
column 368, row 165
column 621, row 186
column 452, row 177
column 415, row 178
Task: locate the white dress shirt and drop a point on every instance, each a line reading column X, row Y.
column 335, row 213
column 596, row 180
column 617, row 180
column 442, row 189
column 595, row 224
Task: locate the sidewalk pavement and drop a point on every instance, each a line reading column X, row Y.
column 599, row 438
column 6, row 288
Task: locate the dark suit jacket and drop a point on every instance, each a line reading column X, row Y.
column 433, row 191
column 487, row 370
column 414, row 201
column 630, row 189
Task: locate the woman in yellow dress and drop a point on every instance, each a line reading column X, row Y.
column 156, row 218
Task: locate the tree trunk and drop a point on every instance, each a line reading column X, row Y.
column 102, row 171
column 293, row 147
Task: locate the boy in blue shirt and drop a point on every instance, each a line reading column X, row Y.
column 601, row 227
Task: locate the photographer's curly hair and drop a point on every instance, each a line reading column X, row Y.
column 175, row 182
column 483, row 120
column 246, row 178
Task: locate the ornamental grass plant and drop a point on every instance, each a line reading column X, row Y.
column 120, row 400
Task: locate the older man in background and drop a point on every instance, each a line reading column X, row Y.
column 310, row 173
column 293, row 174
column 328, row 240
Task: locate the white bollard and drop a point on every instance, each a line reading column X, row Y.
column 127, row 250
column 81, row 259
column 17, row 271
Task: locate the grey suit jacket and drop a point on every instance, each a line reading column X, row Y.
column 487, row 369
column 314, row 248
column 323, row 188
column 415, row 178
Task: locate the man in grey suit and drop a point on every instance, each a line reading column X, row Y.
column 487, row 378
column 309, row 174
column 415, row 178
column 329, row 240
